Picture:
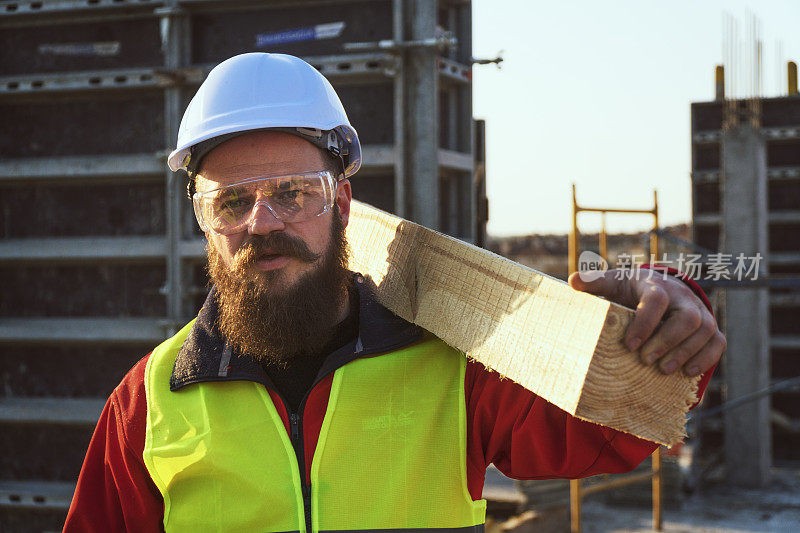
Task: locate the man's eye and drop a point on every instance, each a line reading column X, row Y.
column 234, row 204
column 288, row 196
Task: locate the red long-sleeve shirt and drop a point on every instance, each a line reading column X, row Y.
column 525, row 436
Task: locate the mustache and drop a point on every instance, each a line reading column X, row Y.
column 276, row 243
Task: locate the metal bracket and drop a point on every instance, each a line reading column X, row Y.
column 486, row 61
column 441, row 42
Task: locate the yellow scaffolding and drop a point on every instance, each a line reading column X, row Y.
column 576, row 490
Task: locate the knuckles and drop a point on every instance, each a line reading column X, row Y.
column 693, row 318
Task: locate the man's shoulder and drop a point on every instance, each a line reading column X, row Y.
column 129, row 397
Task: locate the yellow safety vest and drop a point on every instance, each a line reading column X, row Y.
column 391, row 452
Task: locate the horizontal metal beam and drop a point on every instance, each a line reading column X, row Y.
column 67, row 411
column 771, row 134
column 377, row 156
column 705, row 176
column 784, row 258
column 83, row 167
column 783, row 173
column 785, row 299
column 709, row 136
column 781, row 134
column 36, row 494
column 95, row 249
column 139, row 78
column 339, row 69
column 773, row 173
column 82, row 248
column 17, row 8
column 152, row 165
column 706, row 219
column 193, row 249
column 346, row 67
column 785, row 341
column 76, row 330
column 783, row 216
column 456, row 160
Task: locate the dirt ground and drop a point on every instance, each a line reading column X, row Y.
column 715, row 508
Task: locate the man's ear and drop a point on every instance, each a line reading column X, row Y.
column 344, row 195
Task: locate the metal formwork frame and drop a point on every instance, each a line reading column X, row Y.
column 417, row 73
column 419, row 162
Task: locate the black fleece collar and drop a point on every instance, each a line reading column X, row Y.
column 205, row 356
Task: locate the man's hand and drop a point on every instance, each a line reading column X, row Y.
column 672, row 325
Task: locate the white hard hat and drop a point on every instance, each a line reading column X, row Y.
column 265, row 91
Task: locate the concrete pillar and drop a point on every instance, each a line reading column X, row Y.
column 748, row 438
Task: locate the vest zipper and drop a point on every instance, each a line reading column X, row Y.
column 295, row 421
column 296, row 434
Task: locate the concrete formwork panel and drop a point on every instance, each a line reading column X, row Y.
column 84, row 46
column 50, row 452
column 288, row 29
column 92, row 370
column 93, row 290
column 53, row 210
column 119, row 124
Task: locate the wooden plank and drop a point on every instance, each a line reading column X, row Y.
column 564, row 345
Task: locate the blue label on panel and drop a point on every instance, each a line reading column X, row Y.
column 110, row 48
column 311, row 33
column 286, row 36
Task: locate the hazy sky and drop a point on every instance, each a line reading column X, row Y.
column 598, row 93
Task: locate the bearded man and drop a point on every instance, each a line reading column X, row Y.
column 295, row 401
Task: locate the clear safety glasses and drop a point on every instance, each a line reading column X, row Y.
column 292, row 198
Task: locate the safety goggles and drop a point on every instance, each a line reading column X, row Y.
column 292, row 198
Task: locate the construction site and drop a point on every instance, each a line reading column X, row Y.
column 91, row 97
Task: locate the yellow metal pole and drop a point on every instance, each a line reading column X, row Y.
column 603, row 240
column 791, row 70
column 654, row 235
column 574, row 236
column 719, row 82
column 575, row 497
column 658, row 521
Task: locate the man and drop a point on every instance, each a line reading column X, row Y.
column 295, row 401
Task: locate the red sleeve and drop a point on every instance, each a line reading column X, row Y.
column 527, row 437
column 114, row 490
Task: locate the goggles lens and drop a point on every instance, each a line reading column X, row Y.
column 292, row 198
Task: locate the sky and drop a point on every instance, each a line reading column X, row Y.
column 598, row 94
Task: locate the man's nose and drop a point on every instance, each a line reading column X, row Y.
column 263, row 219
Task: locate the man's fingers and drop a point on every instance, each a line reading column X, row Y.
column 707, row 357
column 677, row 356
column 651, row 308
column 681, row 323
column 603, row 284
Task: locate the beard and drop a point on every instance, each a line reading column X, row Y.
column 265, row 317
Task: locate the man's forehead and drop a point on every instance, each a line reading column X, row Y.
column 260, row 153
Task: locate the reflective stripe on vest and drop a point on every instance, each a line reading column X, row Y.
column 391, row 453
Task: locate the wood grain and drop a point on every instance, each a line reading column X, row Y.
column 559, row 343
